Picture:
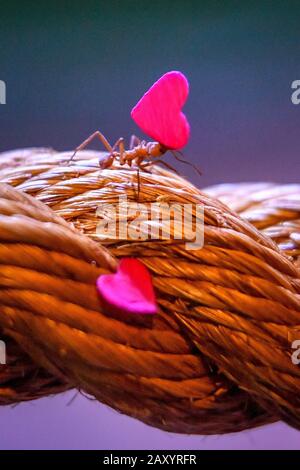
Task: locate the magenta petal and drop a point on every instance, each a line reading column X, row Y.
column 158, row 113
column 129, row 289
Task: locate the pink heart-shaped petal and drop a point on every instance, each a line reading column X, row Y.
column 129, row 290
column 158, row 113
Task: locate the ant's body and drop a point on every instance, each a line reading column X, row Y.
column 141, row 154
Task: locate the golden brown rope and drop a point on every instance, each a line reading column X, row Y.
column 272, row 208
column 217, row 357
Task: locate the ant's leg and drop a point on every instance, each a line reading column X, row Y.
column 143, row 166
column 138, row 177
column 152, row 162
column 120, row 143
column 134, row 140
column 138, row 183
column 106, row 161
column 87, row 141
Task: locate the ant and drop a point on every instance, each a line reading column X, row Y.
column 141, row 153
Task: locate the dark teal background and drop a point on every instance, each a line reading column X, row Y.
column 74, row 67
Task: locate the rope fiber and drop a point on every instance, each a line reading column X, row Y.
column 217, row 356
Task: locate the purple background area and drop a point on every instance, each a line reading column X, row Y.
column 72, row 70
column 51, row 423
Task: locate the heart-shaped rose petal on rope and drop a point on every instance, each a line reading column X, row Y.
column 129, row 289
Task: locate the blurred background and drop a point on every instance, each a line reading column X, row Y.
column 73, row 67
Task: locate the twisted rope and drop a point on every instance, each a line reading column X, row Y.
column 273, row 209
column 217, row 357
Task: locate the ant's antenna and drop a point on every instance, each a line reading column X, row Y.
column 182, row 160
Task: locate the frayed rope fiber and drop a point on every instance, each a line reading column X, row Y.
column 217, row 356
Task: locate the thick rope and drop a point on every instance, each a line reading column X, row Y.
column 272, row 208
column 217, row 357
